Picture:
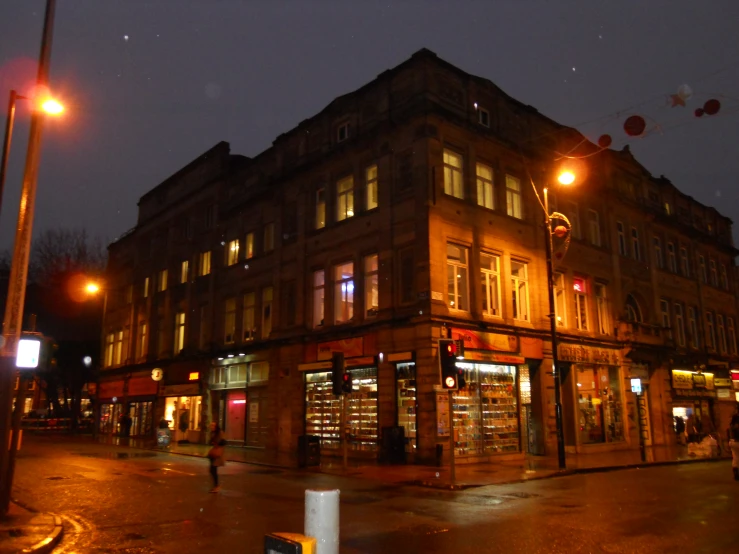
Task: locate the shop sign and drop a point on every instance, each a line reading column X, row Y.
column 694, row 393
column 141, row 386
column 400, row 357
column 92, row 388
column 480, row 340
column 723, row 394
column 157, row 374
column 194, row 376
column 110, row 389
column 588, row 354
column 181, row 390
column 364, row 361
column 636, row 385
column 351, row 348
column 254, row 412
column 315, row 366
column 688, row 380
column 442, row 414
column 497, row 358
column 722, row 382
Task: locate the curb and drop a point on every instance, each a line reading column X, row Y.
column 50, row 542
column 164, row 451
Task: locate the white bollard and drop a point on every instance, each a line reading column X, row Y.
column 322, row 520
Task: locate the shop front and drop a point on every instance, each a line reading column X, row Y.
column 694, row 400
column 141, row 396
column 110, row 406
column 183, row 410
column 593, row 395
column 406, row 397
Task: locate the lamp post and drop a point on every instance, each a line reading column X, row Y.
column 13, row 96
column 565, row 178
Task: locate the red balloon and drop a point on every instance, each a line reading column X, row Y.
column 635, row 125
column 711, row 107
column 560, row 231
column 604, row 141
column 699, row 112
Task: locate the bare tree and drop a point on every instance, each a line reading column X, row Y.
column 60, row 251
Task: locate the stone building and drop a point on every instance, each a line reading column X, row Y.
column 402, row 213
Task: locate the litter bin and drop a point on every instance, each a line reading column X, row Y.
column 393, row 445
column 309, row 450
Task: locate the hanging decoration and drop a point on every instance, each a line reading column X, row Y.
column 604, row 141
column 634, row 126
column 712, row 106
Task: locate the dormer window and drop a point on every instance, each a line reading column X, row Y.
column 342, row 133
column 483, row 117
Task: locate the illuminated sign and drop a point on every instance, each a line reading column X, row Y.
column 636, row 385
column 28, row 353
column 194, row 376
column 578, row 285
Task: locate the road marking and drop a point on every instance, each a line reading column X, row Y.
column 178, row 471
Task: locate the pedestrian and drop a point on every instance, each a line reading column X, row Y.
column 690, row 428
column 680, row 429
column 734, row 442
column 216, row 453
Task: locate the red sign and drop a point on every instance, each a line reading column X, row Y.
column 194, row 376
column 480, row 340
column 110, row 389
column 351, row 348
column 141, row 386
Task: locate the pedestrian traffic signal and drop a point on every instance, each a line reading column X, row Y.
column 447, row 364
column 346, row 385
column 337, row 372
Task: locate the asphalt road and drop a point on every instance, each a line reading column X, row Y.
column 120, row 500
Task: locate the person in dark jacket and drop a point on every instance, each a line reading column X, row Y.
column 216, row 453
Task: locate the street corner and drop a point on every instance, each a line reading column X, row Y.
column 26, row 531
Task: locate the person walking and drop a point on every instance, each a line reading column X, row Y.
column 680, row 429
column 216, row 453
column 734, row 442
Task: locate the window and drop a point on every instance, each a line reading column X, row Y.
column 483, row 117
column 520, row 290
column 407, row 275
column 633, row 310
column 573, row 214
column 713, row 273
column 204, row 265
column 621, row 238
column 679, row 325
column 490, row 277
column 453, row 174
column 210, row 216
column 109, row 340
column 710, row 331
column 668, row 208
column 371, row 284
column 732, row 335
column 266, row 312
column 146, row 287
column 513, row 196
column 129, row 294
column 184, row 271
column 724, row 278
column 287, row 303
column 269, row 237
column 693, row 327
column 581, row 304
column 659, row 260
column 370, row 177
column 635, row 243
column 684, row 263
column 342, row 133
column 319, row 292
column 560, row 300
column 456, row 270
column 320, row 221
column 232, row 252
column 229, row 326
column 203, row 335
column 671, row 258
column 345, row 198
column 248, row 316
column 601, row 307
column 485, row 194
column 664, row 308
column 343, row 292
column 179, row 332
column 141, row 345
column 721, row 333
column 249, row 246
column 118, row 348
column 702, row 268
column 594, row 228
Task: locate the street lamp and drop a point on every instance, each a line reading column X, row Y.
column 565, row 177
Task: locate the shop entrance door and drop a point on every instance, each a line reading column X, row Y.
column 256, row 426
column 235, row 416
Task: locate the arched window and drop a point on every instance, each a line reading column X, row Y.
column 633, row 311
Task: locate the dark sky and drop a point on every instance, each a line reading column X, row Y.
column 150, row 85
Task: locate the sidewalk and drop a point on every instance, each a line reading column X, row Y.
column 467, row 475
column 26, row 531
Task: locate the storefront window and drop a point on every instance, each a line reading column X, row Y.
column 407, row 403
column 183, row 412
column 600, row 417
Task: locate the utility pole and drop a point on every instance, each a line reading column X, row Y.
column 13, row 320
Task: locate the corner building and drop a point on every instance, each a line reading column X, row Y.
column 401, row 213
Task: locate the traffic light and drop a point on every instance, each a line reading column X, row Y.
column 346, row 385
column 447, row 363
column 337, row 372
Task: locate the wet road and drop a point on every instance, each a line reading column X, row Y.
column 120, row 500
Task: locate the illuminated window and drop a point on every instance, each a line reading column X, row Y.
column 141, row 345
column 179, row 332
column 345, row 198
column 319, row 292
column 184, row 271
column 343, row 292
column 162, row 282
column 232, row 252
column 560, row 309
column 146, row 287
column 266, row 312
column 371, row 285
column 520, row 290
column 514, row 206
column 249, row 316
column 320, row 221
column 594, row 228
column 371, row 187
column 490, row 280
column 456, row 266
column 229, row 326
column 118, row 348
column 453, row 174
column 204, row 265
column 573, row 214
column 485, row 190
column 109, row 340
column 581, row 304
column 601, row 306
column 249, row 246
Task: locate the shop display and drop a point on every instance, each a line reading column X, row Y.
column 466, row 409
column 362, row 413
column 322, row 410
column 499, row 412
column 406, row 387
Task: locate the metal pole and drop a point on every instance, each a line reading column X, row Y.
column 553, row 329
column 344, row 432
column 6, row 142
column 20, row 397
column 13, row 320
column 642, row 446
column 452, row 467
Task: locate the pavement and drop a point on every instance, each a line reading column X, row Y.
column 25, row 530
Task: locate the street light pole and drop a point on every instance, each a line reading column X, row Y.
column 8, row 139
column 553, row 330
column 13, row 321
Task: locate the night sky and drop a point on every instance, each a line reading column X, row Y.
column 150, row 85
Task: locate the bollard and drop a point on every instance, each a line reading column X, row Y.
column 322, row 519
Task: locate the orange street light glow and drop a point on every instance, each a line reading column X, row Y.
column 566, row 178
column 92, row 288
column 52, row 107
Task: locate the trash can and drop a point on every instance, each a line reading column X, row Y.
column 393, row 445
column 309, row 450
